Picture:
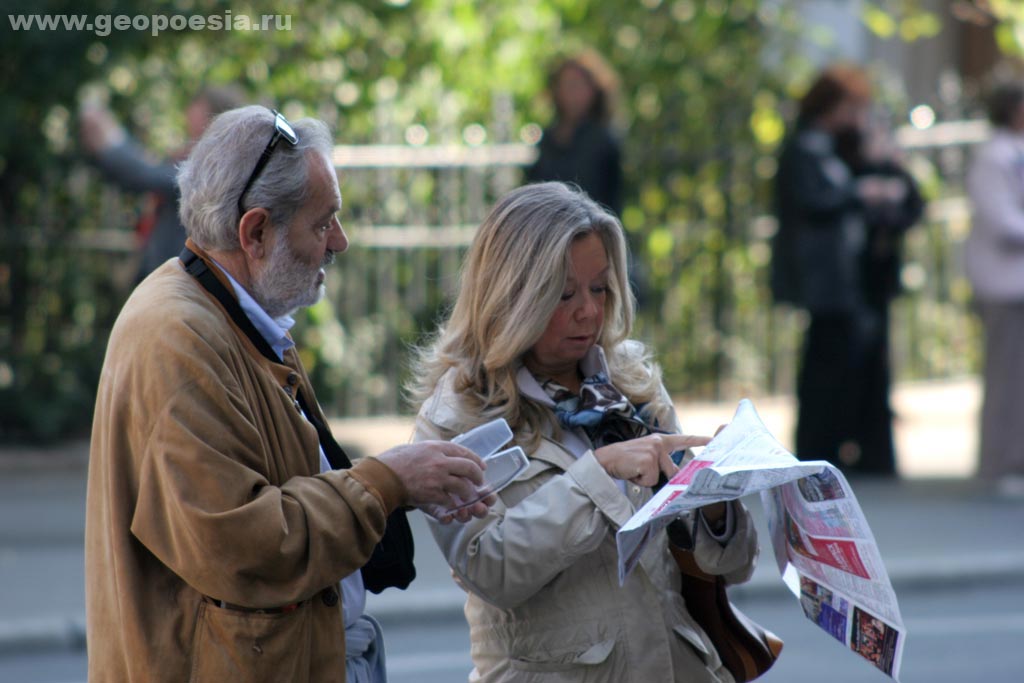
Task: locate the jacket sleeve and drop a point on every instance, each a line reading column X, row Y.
column 805, row 186
column 126, row 164
column 734, row 557
column 613, row 175
column 513, row 552
column 205, row 508
column 995, row 192
column 911, row 209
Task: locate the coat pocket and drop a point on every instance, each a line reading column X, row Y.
column 566, row 660
column 237, row 645
column 701, row 650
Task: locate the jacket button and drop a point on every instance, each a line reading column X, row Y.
column 330, row 597
column 293, row 379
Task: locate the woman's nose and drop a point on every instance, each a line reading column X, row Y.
column 588, row 306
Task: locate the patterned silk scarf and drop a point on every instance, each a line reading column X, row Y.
column 603, row 412
column 608, row 417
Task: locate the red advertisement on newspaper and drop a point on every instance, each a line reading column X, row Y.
column 686, row 474
column 841, row 554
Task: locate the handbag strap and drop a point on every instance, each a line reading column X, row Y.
column 746, row 649
column 688, row 564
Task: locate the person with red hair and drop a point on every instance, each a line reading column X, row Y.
column 843, row 205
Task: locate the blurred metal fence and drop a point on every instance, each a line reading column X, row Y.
column 410, row 214
column 935, row 333
column 411, row 211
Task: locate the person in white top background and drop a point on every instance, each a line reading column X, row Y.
column 995, row 267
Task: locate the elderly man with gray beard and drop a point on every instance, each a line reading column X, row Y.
column 221, row 514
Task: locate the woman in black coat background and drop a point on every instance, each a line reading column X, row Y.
column 580, row 146
column 843, row 208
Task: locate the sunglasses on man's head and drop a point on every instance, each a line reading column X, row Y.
column 282, row 131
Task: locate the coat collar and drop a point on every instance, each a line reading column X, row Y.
column 591, row 364
column 284, row 372
column 274, row 330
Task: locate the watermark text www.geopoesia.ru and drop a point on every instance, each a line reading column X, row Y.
column 103, row 24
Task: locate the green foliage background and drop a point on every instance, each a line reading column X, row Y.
column 702, row 112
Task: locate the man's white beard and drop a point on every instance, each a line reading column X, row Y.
column 286, row 283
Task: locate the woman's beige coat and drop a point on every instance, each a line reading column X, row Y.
column 544, row 602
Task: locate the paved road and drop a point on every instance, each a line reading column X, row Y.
column 947, row 534
column 956, row 635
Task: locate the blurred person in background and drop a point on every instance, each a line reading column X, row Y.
column 581, row 146
column 539, row 335
column 228, row 537
column 843, row 203
column 123, row 161
column 995, row 267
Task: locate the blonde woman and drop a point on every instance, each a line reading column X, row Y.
column 539, row 335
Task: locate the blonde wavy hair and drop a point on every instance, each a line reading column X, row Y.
column 511, row 281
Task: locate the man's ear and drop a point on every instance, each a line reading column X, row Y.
column 255, row 233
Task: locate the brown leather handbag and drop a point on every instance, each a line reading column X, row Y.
column 747, row 650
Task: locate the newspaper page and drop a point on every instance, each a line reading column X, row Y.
column 829, row 559
column 744, row 458
column 823, row 545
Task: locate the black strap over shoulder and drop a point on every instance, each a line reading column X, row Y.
column 336, row 455
column 392, row 561
column 197, row 268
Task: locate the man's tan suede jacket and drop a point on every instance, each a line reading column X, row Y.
column 204, row 491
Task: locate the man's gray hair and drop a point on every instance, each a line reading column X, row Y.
column 212, row 177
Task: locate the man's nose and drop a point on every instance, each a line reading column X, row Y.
column 337, row 240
